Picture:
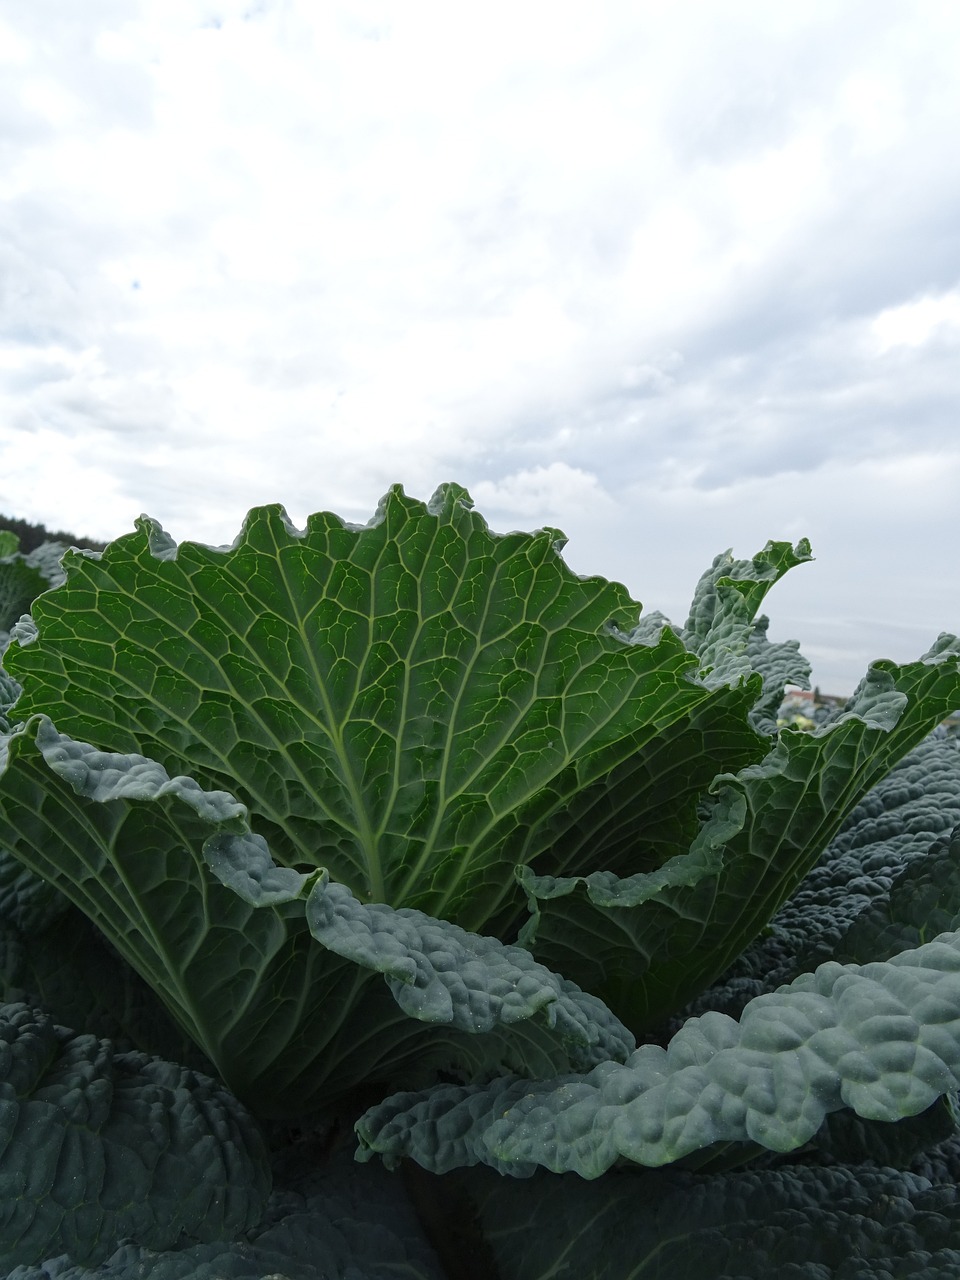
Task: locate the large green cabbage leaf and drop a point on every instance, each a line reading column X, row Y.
column 418, row 704
column 234, row 759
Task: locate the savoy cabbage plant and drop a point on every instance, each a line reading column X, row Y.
column 406, row 828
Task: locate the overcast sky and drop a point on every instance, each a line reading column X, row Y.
column 672, row 277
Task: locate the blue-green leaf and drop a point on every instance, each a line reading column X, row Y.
column 96, row 1146
column 882, row 1039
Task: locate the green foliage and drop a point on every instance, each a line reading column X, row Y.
column 882, row 1039
column 353, row 810
column 896, row 833
column 324, row 1218
column 96, row 1146
column 22, row 579
column 20, row 583
column 798, row 1223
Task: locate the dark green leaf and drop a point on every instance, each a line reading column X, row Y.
column 96, row 1146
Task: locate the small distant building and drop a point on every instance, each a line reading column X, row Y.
column 809, row 699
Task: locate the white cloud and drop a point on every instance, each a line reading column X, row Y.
column 14, row 48
column 542, row 491
column 668, row 285
column 916, row 323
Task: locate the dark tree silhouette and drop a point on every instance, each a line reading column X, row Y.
column 34, row 535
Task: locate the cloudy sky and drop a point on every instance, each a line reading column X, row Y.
column 673, row 277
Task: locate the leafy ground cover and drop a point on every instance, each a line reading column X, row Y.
column 404, row 835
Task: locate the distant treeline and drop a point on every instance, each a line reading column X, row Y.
column 34, row 535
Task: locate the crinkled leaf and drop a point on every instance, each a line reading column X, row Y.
column 48, row 558
column 751, row 579
column 648, row 944
column 924, row 900
column 108, row 776
column 846, row 1138
column 96, row 1146
column 882, row 1039
column 9, row 693
column 894, row 827
column 438, row 972
column 780, row 665
column 791, row 1223
column 730, row 640
column 191, row 898
column 326, row 1221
